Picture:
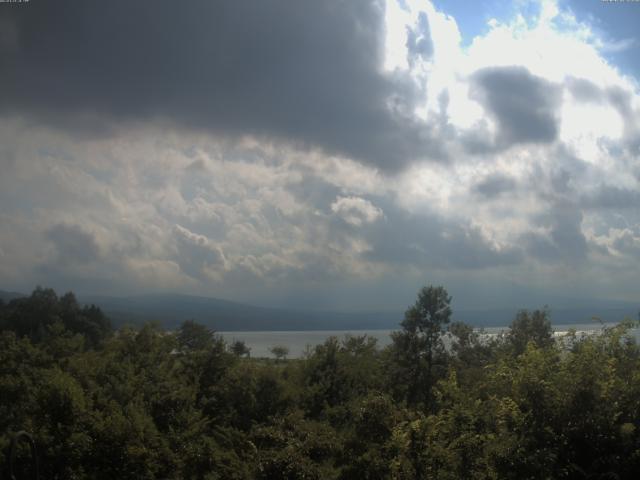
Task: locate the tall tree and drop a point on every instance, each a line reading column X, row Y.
column 279, row 351
column 530, row 327
column 419, row 345
column 193, row 336
column 239, row 348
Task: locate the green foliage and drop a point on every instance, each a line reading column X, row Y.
column 194, row 337
column 35, row 316
column 279, row 351
column 368, row 450
column 530, row 327
column 293, row 447
column 418, row 350
column 338, row 372
column 149, row 404
column 240, row 349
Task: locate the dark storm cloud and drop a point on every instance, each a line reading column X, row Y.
column 628, row 244
column 73, row 245
column 565, row 241
column 396, row 236
column 621, row 101
column 425, row 240
column 523, row 105
column 419, row 43
column 313, row 190
column 610, row 196
column 302, row 71
column 494, row 185
column 196, row 256
column 584, row 90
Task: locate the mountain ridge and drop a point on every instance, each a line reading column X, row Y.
column 171, row 309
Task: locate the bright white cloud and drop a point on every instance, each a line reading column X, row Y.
column 355, row 210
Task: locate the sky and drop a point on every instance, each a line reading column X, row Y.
column 329, row 155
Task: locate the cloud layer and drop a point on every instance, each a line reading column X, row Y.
column 281, row 150
column 305, row 73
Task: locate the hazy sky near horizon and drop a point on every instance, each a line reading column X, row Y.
column 334, row 154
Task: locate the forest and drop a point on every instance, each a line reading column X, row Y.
column 441, row 402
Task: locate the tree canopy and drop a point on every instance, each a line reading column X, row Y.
column 148, row 404
column 418, row 348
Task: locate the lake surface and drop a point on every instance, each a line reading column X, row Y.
column 299, row 341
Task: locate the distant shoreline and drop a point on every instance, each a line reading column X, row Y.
column 298, row 341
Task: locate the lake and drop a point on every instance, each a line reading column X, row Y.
column 298, row 341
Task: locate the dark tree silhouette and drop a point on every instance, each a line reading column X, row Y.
column 419, row 345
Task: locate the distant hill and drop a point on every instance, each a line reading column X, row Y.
column 170, row 310
column 599, row 311
column 8, row 296
column 222, row 315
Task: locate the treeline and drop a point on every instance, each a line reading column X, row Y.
column 146, row 404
